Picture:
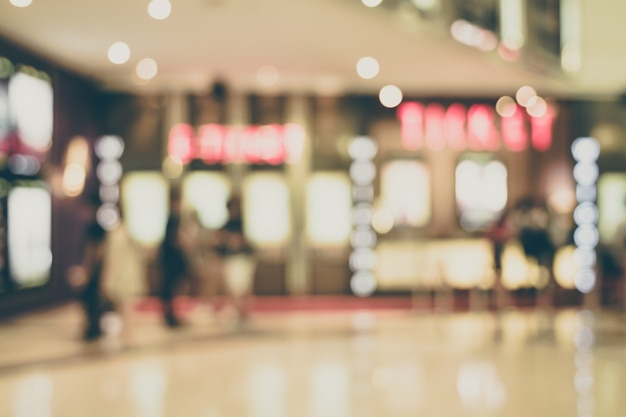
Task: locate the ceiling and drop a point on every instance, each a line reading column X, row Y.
column 313, row 44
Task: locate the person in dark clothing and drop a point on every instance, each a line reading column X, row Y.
column 87, row 278
column 173, row 261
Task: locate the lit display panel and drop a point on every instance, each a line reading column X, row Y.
column 611, row 205
column 31, row 109
column 145, row 206
column 207, row 193
column 266, row 209
column 29, row 234
column 329, row 209
column 406, row 193
column 481, row 190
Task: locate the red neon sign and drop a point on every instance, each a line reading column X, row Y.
column 476, row 128
column 270, row 144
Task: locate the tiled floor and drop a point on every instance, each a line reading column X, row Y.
column 357, row 364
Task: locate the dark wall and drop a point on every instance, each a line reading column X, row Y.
column 78, row 106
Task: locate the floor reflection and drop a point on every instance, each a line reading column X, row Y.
column 516, row 363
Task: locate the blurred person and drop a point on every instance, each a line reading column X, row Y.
column 533, row 225
column 499, row 233
column 87, row 276
column 237, row 258
column 124, row 274
column 173, row 261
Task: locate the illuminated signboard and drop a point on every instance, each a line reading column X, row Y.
column 477, row 128
column 268, row 144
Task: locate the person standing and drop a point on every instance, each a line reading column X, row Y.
column 172, row 260
column 237, row 258
column 87, row 276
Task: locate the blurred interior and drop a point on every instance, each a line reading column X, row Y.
column 375, row 145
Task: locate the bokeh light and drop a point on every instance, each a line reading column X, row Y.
column 159, row 9
column 367, row 67
column 119, row 53
column 21, row 3
column 536, row 107
column 363, row 283
column 505, row 106
column 371, row 3
column 585, row 149
column 524, row 94
column 390, row 96
column 147, row 69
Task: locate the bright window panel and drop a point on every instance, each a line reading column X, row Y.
column 29, row 234
column 329, row 209
column 266, row 209
column 30, row 103
column 611, row 205
column 207, row 193
column 145, row 200
column 481, row 191
column 5, row 119
column 406, row 193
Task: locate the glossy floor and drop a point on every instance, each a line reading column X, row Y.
column 357, row 364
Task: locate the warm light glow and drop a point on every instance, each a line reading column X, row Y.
column 266, row 209
column 267, row 76
column 29, row 234
column 119, row 53
column 405, row 192
column 367, row 67
column 207, row 194
column 21, row 3
column 371, row 3
column 329, row 209
column 73, row 180
column 565, row 267
column 382, row 221
column 506, row 106
column 390, row 96
column 159, row 9
column 524, row 94
column 31, row 107
column 147, row 69
column 145, row 206
column 77, row 163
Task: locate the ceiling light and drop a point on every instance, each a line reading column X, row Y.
column 524, row 94
column 159, row 9
column 536, row 107
column 146, row 69
column 371, row 3
column 367, row 67
column 390, row 96
column 119, row 53
column 21, row 3
column 506, row 106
